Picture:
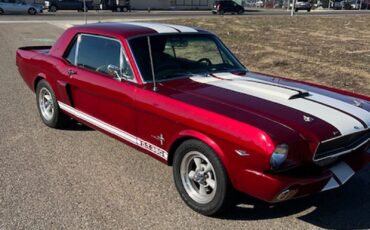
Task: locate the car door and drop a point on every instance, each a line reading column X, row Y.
column 9, row 6
column 227, row 6
column 96, row 95
column 21, row 7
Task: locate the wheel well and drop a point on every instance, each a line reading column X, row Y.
column 174, row 146
column 37, row 80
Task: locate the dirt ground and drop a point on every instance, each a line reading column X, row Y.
column 333, row 51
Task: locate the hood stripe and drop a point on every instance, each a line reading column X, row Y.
column 344, row 123
column 360, row 114
column 349, row 114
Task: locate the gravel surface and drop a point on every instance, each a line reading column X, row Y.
column 81, row 179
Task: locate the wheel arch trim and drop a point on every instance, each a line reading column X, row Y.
column 192, row 134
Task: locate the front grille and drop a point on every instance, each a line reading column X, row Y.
column 342, row 145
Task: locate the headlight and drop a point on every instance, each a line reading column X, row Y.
column 279, row 156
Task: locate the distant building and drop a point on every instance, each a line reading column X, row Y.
column 174, row 4
column 162, row 4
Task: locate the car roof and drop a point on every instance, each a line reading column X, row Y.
column 132, row 29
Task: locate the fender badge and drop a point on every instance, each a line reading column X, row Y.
column 307, row 118
column 159, row 138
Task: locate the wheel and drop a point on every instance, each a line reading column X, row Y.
column 308, row 10
column 32, row 11
column 125, row 9
column 1, row 11
column 200, row 178
column 240, row 12
column 53, row 9
column 296, row 10
column 48, row 107
column 221, row 12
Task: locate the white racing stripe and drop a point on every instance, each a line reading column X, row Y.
column 358, row 112
column 343, row 122
column 164, row 28
column 160, row 28
column 115, row 131
column 348, row 108
column 182, row 29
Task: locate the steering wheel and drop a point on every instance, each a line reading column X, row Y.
column 102, row 69
column 205, row 60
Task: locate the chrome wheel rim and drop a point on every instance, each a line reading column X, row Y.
column 198, row 177
column 46, row 104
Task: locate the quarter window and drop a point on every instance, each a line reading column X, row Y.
column 71, row 53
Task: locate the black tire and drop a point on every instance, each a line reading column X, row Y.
column 1, row 11
column 308, row 10
column 53, row 8
column 32, row 11
column 219, row 200
column 57, row 119
column 221, row 12
column 296, row 10
column 241, row 12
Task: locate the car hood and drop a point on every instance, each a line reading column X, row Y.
column 314, row 113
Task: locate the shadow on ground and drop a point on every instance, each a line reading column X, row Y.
column 76, row 126
column 345, row 208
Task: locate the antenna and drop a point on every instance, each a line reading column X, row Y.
column 155, row 89
column 85, row 13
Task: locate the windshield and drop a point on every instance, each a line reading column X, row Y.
column 182, row 55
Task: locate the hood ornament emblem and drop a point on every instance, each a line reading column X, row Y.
column 358, row 103
column 307, row 118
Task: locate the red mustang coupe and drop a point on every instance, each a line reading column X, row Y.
column 178, row 94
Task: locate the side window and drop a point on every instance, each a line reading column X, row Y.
column 70, row 55
column 97, row 53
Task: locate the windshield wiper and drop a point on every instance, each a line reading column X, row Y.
column 226, row 69
column 176, row 75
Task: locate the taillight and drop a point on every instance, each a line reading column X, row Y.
column 218, row 6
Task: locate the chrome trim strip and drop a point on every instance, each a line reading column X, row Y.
column 115, row 131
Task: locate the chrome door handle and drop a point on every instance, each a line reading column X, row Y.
column 71, row 72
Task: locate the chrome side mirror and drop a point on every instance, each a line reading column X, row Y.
column 115, row 70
